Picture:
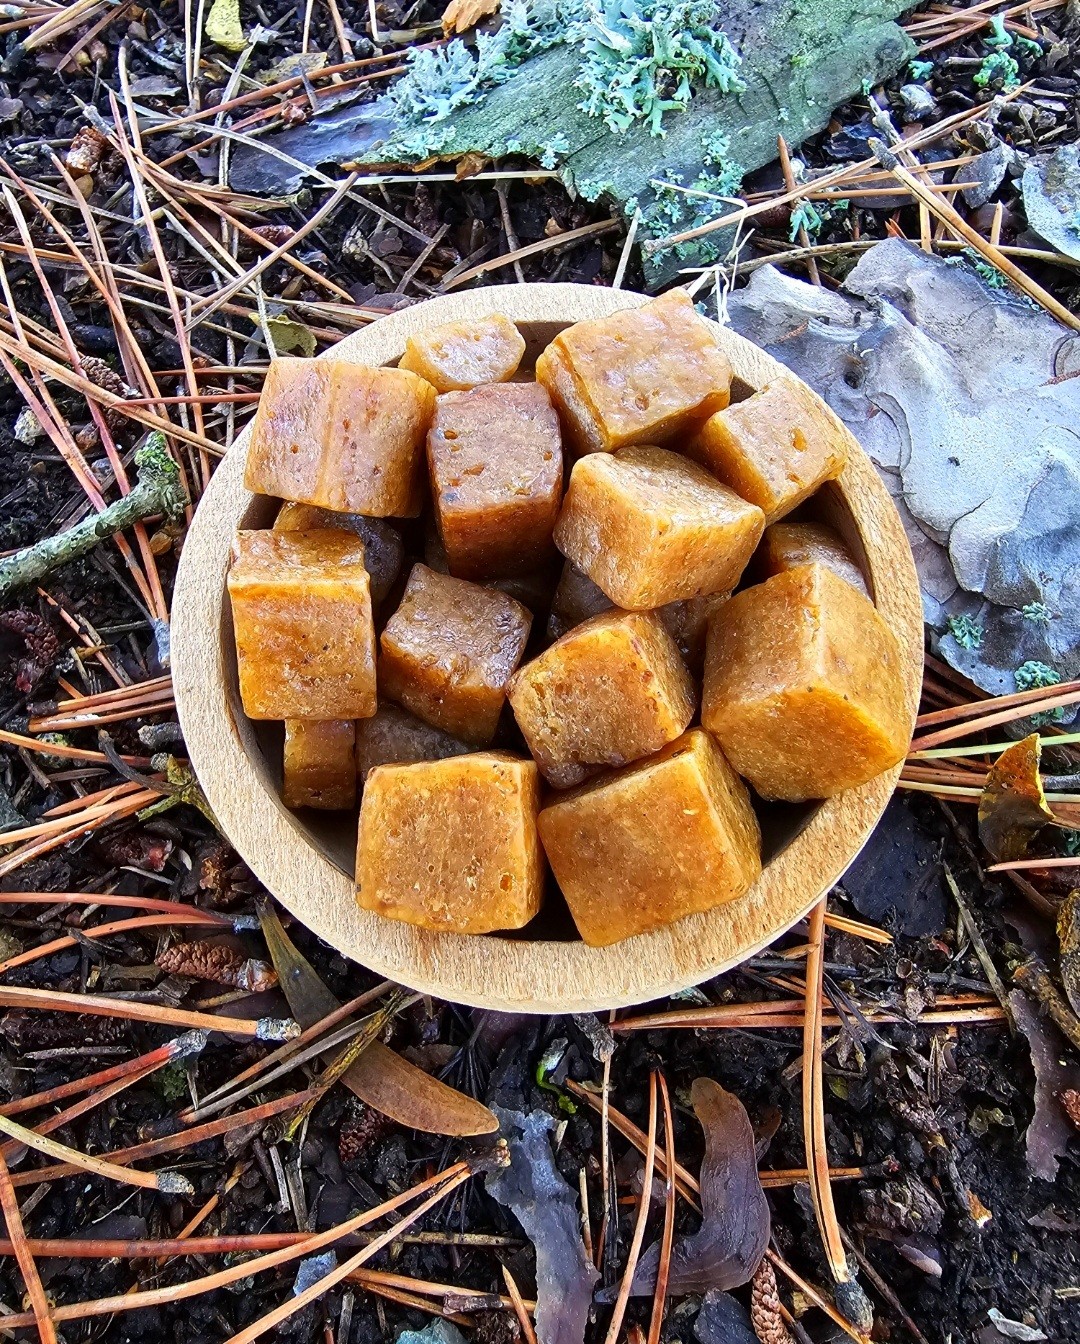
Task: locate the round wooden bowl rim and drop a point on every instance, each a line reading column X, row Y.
column 502, row 972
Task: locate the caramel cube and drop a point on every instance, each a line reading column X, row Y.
column 495, row 458
column 449, row 650
column 452, row 845
column 788, row 545
column 649, row 527
column 670, row 836
column 576, row 599
column 644, row 375
column 319, row 764
column 803, row 686
column 305, row 643
column 384, row 552
column 611, row 691
column 396, row 737
column 342, row 436
column 775, row 448
column 460, row 355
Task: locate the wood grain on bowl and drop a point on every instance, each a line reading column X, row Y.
column 310, row 869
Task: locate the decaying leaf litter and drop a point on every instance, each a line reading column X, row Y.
column 142, row 1026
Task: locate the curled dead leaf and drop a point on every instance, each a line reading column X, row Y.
column 461, row 15
column 1013, row 807
column 734, row 1231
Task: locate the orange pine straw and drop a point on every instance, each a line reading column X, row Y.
column 817, row 1158
column 445, row 1182
column 17, row 996
column 33, row 849
column 170, row 1182
column 105, row 898
column 27, row 1268
column 67, row 753
column 663, row 1268
column 951, row 732
column 156, row 702
column 527, row 1330
column 162, row 1055
column 298, row 1301
column 172, row 1143
column 638, row 1237
column 817, row 1298
column 190, row 916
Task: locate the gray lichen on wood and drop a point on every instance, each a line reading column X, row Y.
column 800, row 59
column 159, row 491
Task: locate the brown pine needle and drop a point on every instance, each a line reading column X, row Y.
column 443, row 1182
column 663, row 1268
column 168, row 1182
column 191, row 916
column 818, row 1298
column 265, row 1029
column 527, row 1330
column 182, row 1046
column 298, row 1301
column 619, row 1310
column 42, row 1317
column 813, row 1100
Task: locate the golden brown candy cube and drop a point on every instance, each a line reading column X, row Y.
column 576, row 599
column 342, row 436
column 803, row 686
column 451, row 845
column 305, row 642
column 644, row 375
column 649, row 527
column 396, row 737
column 610, row 691
column 788, row 545
column 319, row 764
column 460, row 355
column 495, row 459
column 775, row 448
column 670, row 836
column 384, row 552
column 449, row 650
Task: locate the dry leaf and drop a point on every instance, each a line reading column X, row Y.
column 547, row 1208
column 380, row 1077
column 735, row 1215
column 223, row 26
column 1013, row 807
column 461, row 15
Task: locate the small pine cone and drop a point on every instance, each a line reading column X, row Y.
column 218, row 962
column 765, row 1314
column 1070, row 1099
column 86, row 150
column 107, row 378
column 362, row 1127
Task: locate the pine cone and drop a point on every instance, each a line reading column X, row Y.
column 765, row 1314
column 218, row 962
column 86, row 151
column 107, row 378
column 1070, row 1099
column 362, row 1127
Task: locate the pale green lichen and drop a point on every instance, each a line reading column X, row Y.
column 1037, row 612
column 673, row 209
column 639, row 59
column 999, row 70
column 812, row 218
column 968, row 633
column 920, row 70
column 1032, row 676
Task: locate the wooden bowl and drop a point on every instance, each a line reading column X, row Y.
column 308, row 865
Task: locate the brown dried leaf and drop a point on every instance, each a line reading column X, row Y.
column 380, row 1077
column 1050, row 1133
column 218, row 962
column 734, row 1231
column 461, row 15
column 1070, row 1100
column 1013, row 807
